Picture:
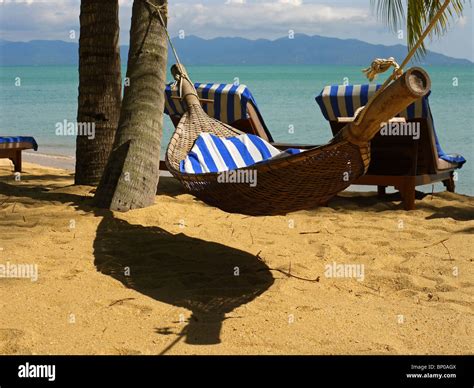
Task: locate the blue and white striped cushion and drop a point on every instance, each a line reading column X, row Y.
column 13, row 141
column 229, row 101
column 211, row 153
column 343, row 100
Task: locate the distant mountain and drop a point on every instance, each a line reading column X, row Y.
column 303, row 49
column 38, row 52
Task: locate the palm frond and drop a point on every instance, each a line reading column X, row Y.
column 391, row 12
column 417, row 16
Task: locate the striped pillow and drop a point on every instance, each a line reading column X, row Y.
column 211, row 153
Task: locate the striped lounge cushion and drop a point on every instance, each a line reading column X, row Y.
column 211, row 153
column 15, row 141
column 229, row 101
column 343, row 100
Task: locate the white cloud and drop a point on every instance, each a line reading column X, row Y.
column 235, row 1
column 30, row 2
column 263, row 19
column 253, row 19
column 291, row 2
column 38, row 19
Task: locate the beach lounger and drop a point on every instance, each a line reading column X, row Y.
column 231, row 104
column 401, row 160
column 11, row 147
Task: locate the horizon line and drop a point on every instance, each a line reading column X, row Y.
column 76, row 41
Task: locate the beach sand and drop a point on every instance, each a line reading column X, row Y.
column 181, row 277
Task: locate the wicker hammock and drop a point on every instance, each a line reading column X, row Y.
column 297, row 182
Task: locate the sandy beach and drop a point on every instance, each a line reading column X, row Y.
column 181, row 277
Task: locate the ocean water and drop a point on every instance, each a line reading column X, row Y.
column 34, row 99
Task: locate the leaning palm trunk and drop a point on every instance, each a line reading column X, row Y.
column 99, row 88
column 131, row 176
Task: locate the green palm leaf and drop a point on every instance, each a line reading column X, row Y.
column 417, row 16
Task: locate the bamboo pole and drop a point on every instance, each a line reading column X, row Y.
column 414, row 84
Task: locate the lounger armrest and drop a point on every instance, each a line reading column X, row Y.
column 285, row 146
column 351, row 119
column 345, row 119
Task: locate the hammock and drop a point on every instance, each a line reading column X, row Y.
column 297, row 182
column 304, row 180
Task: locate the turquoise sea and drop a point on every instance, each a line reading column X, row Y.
column 34, row 99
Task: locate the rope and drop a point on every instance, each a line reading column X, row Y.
column 399, row 71
column 157, row 12
column 380, row 65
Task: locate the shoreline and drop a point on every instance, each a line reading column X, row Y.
column 68, row 163
column 61, row 162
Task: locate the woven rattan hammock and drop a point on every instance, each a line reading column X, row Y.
column 301, row 181
column 304, row 180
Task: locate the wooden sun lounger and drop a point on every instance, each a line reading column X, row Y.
column 396, row 160
column 405, row 163
column 13, row 151
column 252, row 125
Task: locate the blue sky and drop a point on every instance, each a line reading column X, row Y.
column 23, row 20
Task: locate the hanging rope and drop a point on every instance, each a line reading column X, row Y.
column 157, row 11
column 377, row 69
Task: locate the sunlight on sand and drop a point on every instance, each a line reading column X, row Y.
column 181, row 277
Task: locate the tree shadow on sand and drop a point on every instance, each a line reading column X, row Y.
column 171, row 268
column 208, row 278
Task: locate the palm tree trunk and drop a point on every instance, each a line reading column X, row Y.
column 131, row 177
column 100, row 87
